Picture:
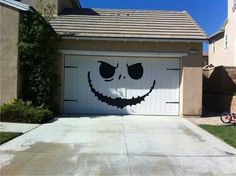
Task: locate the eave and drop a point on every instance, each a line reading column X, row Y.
column 135, row 39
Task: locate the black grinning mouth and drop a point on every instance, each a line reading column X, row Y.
column 118, row 102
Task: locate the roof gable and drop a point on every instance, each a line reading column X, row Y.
column 221, row 31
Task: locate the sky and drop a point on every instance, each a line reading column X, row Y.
column 210, row 14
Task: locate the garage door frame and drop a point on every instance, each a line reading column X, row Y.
column 122, row 54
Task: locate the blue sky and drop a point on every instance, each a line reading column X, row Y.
column 210, row 14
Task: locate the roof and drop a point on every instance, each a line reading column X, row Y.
column 17, row 5
column 222, row 29
column 224, row 24
column 134, row 24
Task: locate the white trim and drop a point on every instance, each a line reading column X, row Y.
column 17, row 5
column 133, row 39
column 126, row 54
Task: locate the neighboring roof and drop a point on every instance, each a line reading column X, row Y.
column 134, row 24
column 222, row 29
column 224, row 24
column 17, row 5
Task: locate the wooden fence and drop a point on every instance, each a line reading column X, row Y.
column 219, row 89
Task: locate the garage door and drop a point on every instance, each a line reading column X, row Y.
column 121, row 85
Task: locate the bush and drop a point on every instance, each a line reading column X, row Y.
column 38, row 46
column 24, row 112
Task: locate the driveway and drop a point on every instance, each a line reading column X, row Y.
column 118, row 145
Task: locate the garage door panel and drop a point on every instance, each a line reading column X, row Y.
column 107, row 86
column 142, row 86
column 71, row 91
column 126, row 78
column 89, row 103
column 166, row 88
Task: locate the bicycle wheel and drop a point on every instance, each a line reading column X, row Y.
column 226, row 117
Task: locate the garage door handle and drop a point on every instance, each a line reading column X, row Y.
column 172, row 102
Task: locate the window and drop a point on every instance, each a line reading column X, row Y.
column 226, row 41
column 213, row 47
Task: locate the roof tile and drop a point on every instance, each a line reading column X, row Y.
column 154, row 24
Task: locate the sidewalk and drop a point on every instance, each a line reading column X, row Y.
column 17, row 127
column 215, row 120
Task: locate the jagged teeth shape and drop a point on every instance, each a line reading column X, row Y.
column 121, row 102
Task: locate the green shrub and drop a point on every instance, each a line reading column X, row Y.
column 24, row 112
column 39, row 49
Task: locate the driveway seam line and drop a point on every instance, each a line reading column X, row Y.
column 127, row 152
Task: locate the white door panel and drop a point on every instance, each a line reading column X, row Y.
column 71, row 89
column 123, row 83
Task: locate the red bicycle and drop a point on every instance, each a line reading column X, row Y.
column 227, row 117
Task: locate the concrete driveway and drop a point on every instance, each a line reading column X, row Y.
column 118, row 145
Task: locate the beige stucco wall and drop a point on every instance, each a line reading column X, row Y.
column 38, row 5
column 191, row 86
column 225, row 56
column 9, row 53
column 221, row 56
column 191, row 74
column 64, row 4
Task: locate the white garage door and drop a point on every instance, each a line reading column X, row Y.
column 121, row 85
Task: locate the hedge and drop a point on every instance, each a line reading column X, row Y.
column 24, row 112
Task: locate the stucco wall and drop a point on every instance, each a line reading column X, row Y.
column 38, row 5
column 225, row 56
column 191, row 85
column 60, row 4
column 63, row 4
column 9, row 53
column 191, row 74
column 221, row 56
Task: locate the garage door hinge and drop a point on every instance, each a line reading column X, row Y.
column 177, row 69
column 70, row 67
column 172, row 102
column 70, row 100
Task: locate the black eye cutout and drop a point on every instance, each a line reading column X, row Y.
column 135, row 71
column 106, row 70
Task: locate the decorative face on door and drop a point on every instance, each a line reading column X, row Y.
column 107, row 72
